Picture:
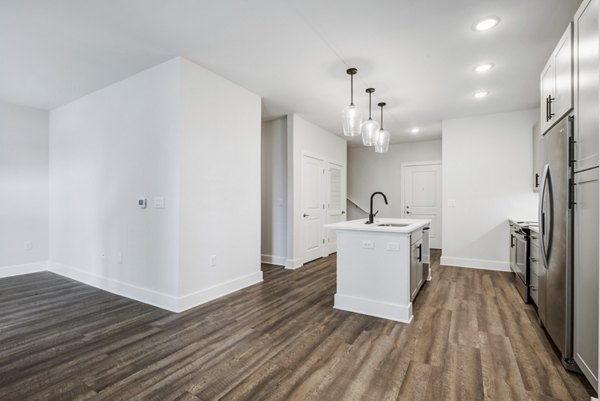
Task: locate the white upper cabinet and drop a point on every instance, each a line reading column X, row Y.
column 586, row 52
column 556, row 82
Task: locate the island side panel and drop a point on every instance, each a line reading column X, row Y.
column 374, row 281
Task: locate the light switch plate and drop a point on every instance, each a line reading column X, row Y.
column 368, row 244
column 392, row 246
column 142, row 203
column 159, row 202
column 451, row 202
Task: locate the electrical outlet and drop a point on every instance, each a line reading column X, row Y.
column 368, row 244
column 27, row 245
column 213, row 260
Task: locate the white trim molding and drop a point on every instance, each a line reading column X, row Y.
column 385, row 310
column 147, row 296
column 293, row 263
column 25, row 268
column 208, row 294
column 476, row 263
column 273, row 260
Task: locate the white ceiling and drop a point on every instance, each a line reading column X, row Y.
column 417, row 54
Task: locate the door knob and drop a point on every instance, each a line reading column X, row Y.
column 305, row 215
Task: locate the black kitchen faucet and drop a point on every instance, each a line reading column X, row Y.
column 371, row 214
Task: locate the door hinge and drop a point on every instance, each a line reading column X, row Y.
column 572, row 185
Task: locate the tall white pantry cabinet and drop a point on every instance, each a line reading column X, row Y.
column 586, row 77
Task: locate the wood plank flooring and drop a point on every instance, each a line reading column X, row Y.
column 472, row 338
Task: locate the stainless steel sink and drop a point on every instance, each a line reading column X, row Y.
column 392, row 225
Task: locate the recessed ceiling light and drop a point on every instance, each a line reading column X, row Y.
column 415, row 130
column 486, row 23
column 483, row 67
column 480, row 94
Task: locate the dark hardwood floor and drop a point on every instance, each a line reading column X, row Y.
column 472, row 338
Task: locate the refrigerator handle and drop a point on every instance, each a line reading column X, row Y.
column 542, row 216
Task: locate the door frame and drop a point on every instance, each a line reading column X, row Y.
column 403, row 180
column 329, row 233
column 324, row 246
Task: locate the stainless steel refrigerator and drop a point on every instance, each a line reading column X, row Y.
column 555, row 302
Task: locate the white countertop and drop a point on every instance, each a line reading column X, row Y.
column 359, row 225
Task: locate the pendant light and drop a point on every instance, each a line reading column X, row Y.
column 382, row 139
column 369, row 128
column 351, row 115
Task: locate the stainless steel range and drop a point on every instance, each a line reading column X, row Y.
column 519, row 255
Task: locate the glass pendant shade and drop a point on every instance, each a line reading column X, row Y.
column 382, row 141
column 351, row 115
column 369, row 128
column 382, row 138
column 351, row 120
column 369, row 131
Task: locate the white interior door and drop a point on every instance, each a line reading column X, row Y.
column 336, row 202
column 422, row 196
column 313, row 207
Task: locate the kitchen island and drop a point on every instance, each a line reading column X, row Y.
column 381, row 266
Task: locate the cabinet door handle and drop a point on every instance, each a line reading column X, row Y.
column 420, row 252
column 547, row 109
column 533, row 260
column 550, row 113
column 537, row 180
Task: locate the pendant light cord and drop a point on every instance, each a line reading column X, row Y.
column 370, row 105
column 381, row 117
column 351, row 89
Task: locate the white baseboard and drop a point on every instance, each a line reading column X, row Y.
column 273, row 260
column 25, row 268
column 476, row 263
column 385, row 310
column 208, row 294
column 293, row 263
column 151, row 297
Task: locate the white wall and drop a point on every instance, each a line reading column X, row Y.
column 175, row 132
column 369, row 172
column 487, row 168
column 23, row 189
column 305, row 137
column 106, row 150
column 274, row 191
column 220, row 186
